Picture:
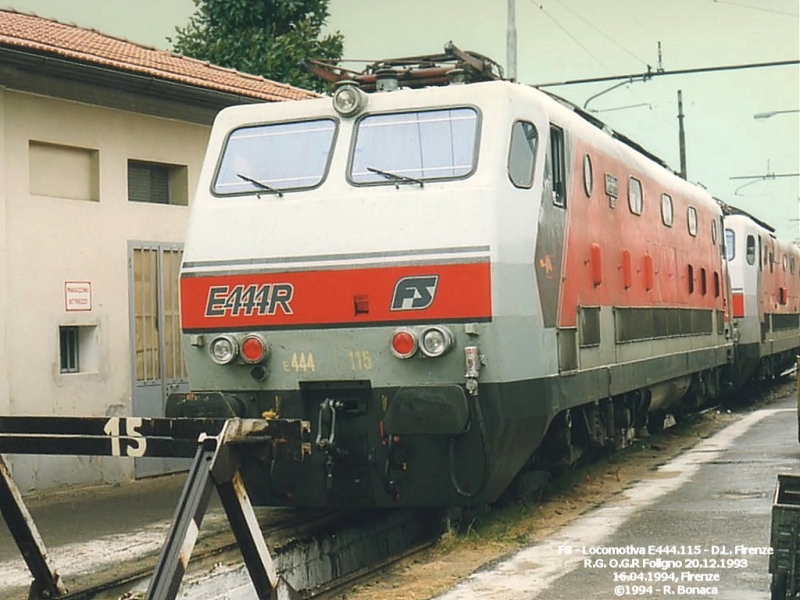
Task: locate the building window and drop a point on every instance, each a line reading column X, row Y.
column 522, row 154
column 78, row 348
column 63, row 171
column 635, row 200
column 157, row 183
column 68, row 342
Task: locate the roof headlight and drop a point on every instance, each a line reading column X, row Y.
column 435, row 341
column 348, row 99
column 223, row 349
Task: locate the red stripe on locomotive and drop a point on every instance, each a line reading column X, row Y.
column 338, row 297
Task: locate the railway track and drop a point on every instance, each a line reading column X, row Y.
column 321, row 553
column 317, row 552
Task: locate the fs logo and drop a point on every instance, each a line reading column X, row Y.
column 414, row 293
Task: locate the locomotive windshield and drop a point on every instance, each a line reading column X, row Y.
column 413, row 147
column 275, row 158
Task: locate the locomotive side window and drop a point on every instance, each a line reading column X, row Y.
column 635, row 200
column 588, row 175
column 522, row 153
column 667, row 214
column 730, row 245
column 558, row 172
column 413, row 147
column 275, row 158
column 691, row 216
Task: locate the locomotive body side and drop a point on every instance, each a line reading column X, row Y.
column 644, row 285
column 434, row 284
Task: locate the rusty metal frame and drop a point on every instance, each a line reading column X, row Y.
column 414, row 71
column 220, row 449
column 46, row 581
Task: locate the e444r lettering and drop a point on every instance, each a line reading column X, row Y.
column 248, row 300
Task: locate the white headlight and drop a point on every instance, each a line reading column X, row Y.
column 348, row 99
column 223, row 349
column 435, row 341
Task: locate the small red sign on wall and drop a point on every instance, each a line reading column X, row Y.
column 77, row 295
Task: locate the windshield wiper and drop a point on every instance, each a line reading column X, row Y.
column 261, row 184
column 395, row 177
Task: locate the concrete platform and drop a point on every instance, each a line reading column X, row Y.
column 698, row 527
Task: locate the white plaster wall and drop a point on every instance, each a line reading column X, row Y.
column 47, row 241
column 5, row 405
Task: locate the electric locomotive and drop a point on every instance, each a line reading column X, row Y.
column 448, row 282
column 765, row 294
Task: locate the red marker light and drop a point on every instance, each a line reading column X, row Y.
column 404, row 343
column 253, row 349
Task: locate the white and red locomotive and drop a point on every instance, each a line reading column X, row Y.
column 765, row 296
column 451, row 282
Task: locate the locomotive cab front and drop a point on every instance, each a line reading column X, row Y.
column 339, row 268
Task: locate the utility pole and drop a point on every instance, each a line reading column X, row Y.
column 681, row 134
column 511, row 41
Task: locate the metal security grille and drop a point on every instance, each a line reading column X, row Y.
column 148, row 182
column 158, row 367
column 68, row 345
column 156, row 327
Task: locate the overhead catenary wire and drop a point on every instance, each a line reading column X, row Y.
column 751, row 7
column 572, row 37
column 650, row 73
column 604, row 34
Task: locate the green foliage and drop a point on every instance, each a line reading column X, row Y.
column 270, row 38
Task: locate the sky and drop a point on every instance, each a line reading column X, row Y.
column 565, row 40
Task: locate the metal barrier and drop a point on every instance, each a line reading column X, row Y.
column 219, row 447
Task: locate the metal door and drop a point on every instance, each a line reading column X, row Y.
column 158, row 366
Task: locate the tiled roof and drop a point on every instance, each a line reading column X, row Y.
column 29, row 32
